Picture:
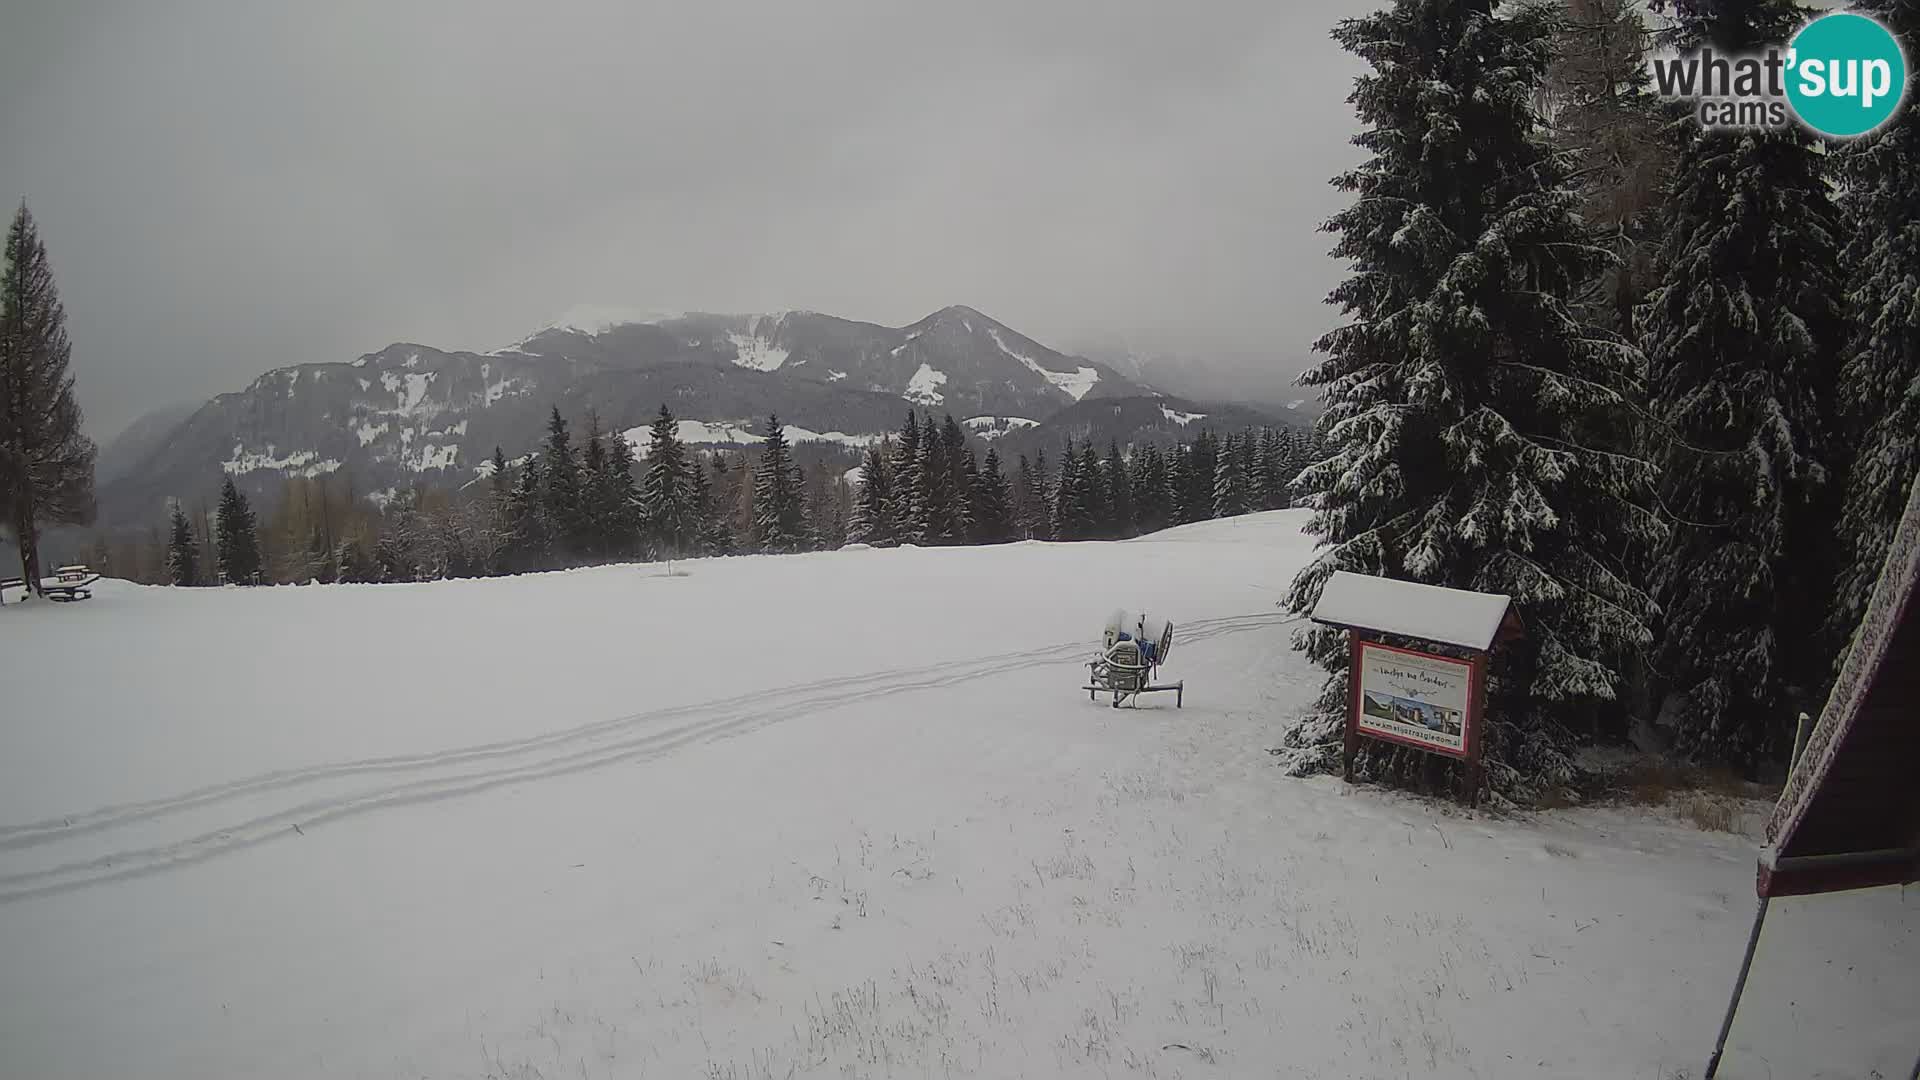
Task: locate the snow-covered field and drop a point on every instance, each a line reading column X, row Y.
column 838, row 815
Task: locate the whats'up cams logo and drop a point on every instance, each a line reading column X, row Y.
column 1842, row 75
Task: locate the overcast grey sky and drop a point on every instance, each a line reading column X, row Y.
column 230, row 187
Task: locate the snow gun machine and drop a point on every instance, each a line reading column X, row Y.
column 1131, row 653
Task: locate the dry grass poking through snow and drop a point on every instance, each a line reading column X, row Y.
column 1712, row 800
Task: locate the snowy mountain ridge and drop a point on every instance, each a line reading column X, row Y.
column 411, row 412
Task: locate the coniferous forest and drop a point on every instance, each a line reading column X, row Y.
column 1660, row 384
column 587, row 497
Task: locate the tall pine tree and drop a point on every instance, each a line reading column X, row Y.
column 238, row 541
column 993, row 502
column 1230, row 480
column 954, row 455
column 779, row 519
column 1095, row 493
column 1741, row 336
column 673, row 523
column 182, row 551
column 1120, row 507
column 1203, row 465
column 46, row 461
column 623, row 514
column 1150, row 496
column 1034, row 488
column 935, row 494
column 713, row 487
column 970, row 485
column 909, row 510
column 1180, row 509
column 528, row 543
column 873, row 500
column 600, row 505
column 1459, row 387
column 560, row 473
column 498, row 477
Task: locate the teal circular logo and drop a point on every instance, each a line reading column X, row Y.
column 1846, row 74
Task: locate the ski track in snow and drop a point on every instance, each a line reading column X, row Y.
column 435, row 776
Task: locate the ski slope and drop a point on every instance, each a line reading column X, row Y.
column 840, row 814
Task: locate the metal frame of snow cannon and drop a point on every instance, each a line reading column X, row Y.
column 1123, row 672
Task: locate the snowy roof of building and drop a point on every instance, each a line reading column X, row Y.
column 1470, row 620
column 1850, row 815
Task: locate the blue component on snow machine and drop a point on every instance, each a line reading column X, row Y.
column 1147, row 648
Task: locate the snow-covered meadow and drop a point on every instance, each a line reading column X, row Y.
column 840, row 814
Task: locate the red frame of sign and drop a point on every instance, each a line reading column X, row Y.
column 1469, row 728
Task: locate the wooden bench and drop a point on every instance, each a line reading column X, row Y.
column 67, row 591
column 69, row 583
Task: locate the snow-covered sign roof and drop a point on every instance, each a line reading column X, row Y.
column 1470, row 620
column 1850, row 815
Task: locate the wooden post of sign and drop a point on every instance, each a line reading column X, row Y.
column 1353, row 705
column 1476, row 769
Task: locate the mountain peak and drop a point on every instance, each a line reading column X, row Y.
column 593, row 320
column 962, row 315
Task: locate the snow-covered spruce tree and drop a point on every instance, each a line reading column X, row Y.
column 529, row 531
column 970, row 494
column 1067, row 515
column 993, row 520
column 713, row 488
column 623, row 514
column 872, row 521
column 1147, row 474
column 598, row 506
column 908, row 508
column 952, row 441
column 1880, row 378
column 1203, row 461
column 1035, row 489
column 666, row 500
column 700, row 502
column 1152, row 507
column 934, row 494
column 1265, row 482
column 816, row 511
column 1095, row 493
column 1230, row 481
column 1017, row 498
column 46, row 461
column 733, row 498
column 1459, row 385
column 1029, row 502
column 1247, row 466
column 182, row 552
column 1180, row 484
column 779, row 520
column 1120, row 493
column 560, row 493
column 497, row 478
column 970, row 503
column 239, row 543
column 1742, row 332
column 1297, row 450
column 1276, row 468
column 839, row 501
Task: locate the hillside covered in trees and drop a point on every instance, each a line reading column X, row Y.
column 591, row 497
